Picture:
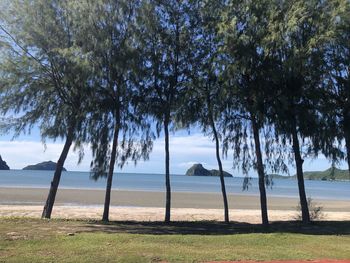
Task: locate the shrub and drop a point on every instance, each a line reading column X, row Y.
column 316, row 211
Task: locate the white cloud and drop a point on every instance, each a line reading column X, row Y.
column 189, row 164
column 185, row 150
column 195, row 144
column 19, row 154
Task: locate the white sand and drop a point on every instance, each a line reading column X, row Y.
column 157, row 214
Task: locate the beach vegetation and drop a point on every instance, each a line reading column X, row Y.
column 206, row 98
column 248, row 77
column 266, row 79
column 316, row 211
column 116, row 129
column 44, row 77
column 333, row 139
column 165, row 34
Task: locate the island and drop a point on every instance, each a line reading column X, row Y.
column 199, row 170
column 331, row 174
column 3, row 165
column 44, row 166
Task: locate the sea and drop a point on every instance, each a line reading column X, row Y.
column 332, row 190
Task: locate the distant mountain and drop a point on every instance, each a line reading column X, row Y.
column 199, row 170
column 3, row 165
column 278, row 176
column 44, row 166
column 331, row 174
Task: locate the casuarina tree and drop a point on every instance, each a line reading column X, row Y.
column 117, row 130
column 164, row 36
column 295, row 30
column 43, row 76
column 205, row 99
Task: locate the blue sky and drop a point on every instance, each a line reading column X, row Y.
column 185, row 150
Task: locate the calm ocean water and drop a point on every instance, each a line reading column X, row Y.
column 179, row 183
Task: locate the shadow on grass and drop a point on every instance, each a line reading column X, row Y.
column 218, row 228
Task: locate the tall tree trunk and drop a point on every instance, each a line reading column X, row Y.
column 57, row 175
column 167, row 170
column 347, row 139
column 300, row 176
column 347, row 142
column 105, row 216
column 261, row 174
column 222, row 180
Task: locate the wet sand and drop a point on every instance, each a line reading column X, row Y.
column 148, row 206
column 37, row 196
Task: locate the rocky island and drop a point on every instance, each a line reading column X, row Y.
column 199, row 170
column 44, row 166
column 3, row 165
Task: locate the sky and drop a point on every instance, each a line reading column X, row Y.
column 185, row 150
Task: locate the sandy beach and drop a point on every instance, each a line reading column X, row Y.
column 148, row 206
column 157, row 214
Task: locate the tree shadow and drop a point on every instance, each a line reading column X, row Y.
column 217, row 228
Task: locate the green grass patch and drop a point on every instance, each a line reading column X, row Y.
column 34, row 240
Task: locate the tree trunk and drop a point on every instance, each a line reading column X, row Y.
column 299, row 165
column 167, row 171
column 347, row 145
column 57, row 175
column 105, row 216
column 261, row 174
column 222, row 179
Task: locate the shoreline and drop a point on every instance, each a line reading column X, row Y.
column 149, row 206
column 283, row 177
column 243, row 193
column 136, row 198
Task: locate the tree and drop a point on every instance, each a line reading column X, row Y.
column 295, row 29
column 205, row 98
column 334, row 93
column 165, row 40
column 43, row 76
column 108, row 36
column 249, row 77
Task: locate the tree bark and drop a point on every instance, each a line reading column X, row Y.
column 57, row 175
column 167, row 171
column 347, row 144
column 299, row 165
column 105, row 216
column 261, row 174
column 222, row 179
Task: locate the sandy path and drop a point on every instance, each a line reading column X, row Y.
column 157, row 214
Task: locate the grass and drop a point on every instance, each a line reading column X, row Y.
column 34, row 240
